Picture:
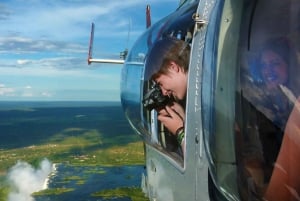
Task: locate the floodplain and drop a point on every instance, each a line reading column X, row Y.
column 73, row 133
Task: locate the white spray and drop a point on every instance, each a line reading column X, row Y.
column 25, row 180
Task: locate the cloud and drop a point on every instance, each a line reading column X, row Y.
column 63, row 63
column 18, row 45
column 27, row 92
column 46, row 94
column 62, row 28
column 24, row 92
column 56, row 19
column 23, row 61
column 44, row 44
column 6, row 91
column 45, row 64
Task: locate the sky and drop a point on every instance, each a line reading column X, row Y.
column 44, row 46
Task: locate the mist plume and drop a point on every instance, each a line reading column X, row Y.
column 25, row 180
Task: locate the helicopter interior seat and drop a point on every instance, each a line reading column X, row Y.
column 169, row 143
column 287, row 164
column 248, row 154
column 278, row 163
column 258, row 151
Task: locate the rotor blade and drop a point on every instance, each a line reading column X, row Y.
column 110, row 61
column 148, row 16
column 90, row 55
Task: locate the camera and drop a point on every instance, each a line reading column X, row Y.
column 154, row 98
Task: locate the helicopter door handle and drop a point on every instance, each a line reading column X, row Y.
column 199, row 22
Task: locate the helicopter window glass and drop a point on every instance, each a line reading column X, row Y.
column 268, row 112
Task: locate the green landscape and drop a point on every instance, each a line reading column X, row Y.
column 78, row 136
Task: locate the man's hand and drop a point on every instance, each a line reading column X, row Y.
column 179, row 110
column 172, row 118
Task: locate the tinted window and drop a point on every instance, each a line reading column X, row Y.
column 267, row 126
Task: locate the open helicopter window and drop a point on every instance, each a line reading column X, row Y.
column 267, row 112
column 142, row 97
column 165, row 93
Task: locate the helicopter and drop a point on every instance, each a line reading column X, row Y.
column 241, row 122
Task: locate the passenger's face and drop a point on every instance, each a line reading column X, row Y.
column 174, row 82
column 274, row 69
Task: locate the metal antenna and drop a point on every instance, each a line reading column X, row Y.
column 123, row 54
